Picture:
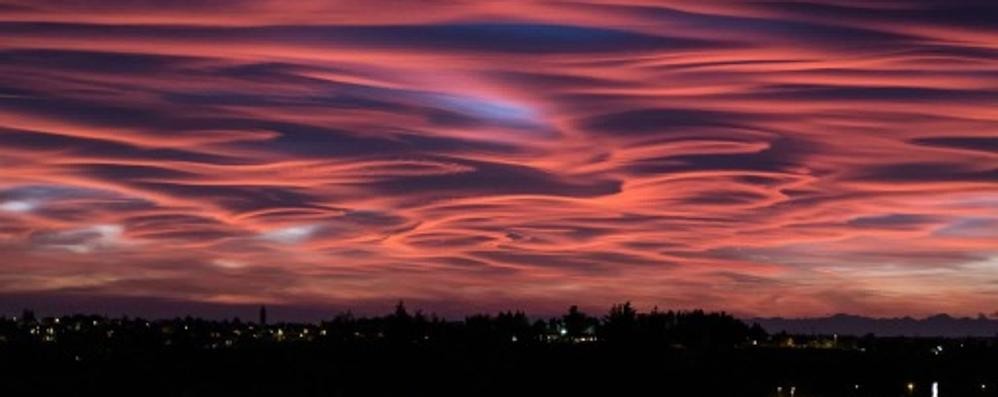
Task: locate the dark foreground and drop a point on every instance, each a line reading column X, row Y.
column 401, row 355
column 559, row 370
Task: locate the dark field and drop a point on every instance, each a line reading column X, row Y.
column 623, row 353
column 442, row 370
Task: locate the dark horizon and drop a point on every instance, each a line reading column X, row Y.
column 622, row 352
column 935, row 325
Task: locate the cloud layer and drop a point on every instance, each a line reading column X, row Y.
column 768, row 159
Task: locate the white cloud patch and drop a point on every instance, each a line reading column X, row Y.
column 290, row 235
column 228, row 263
column 17, row 206
column 83, row 240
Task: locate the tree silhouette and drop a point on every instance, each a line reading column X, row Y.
column 577, row 324
column 620, row 324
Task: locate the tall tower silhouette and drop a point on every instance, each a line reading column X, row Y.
column 263, row 315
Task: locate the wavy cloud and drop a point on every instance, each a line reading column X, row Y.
column 779, row 158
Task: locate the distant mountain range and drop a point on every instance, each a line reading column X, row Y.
column 846, row 324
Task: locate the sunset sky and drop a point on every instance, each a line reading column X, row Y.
column 792, row 159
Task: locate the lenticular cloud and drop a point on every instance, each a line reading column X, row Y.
column 771, row 159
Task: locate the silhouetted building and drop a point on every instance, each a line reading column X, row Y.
column 263, row 315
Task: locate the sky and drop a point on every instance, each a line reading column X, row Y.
column 766, row 158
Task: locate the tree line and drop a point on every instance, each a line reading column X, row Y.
column 621, row 325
